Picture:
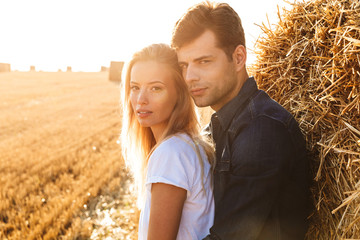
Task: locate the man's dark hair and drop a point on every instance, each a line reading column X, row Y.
column 220, row 18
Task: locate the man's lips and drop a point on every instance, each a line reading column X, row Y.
column 197, row 91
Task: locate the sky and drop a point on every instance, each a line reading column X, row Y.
column 88, row 34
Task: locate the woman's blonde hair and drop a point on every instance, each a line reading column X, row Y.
column 138, row 142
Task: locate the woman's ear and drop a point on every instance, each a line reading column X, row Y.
column 239, row 57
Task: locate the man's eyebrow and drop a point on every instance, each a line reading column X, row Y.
column 202, row 58
column 196, row 59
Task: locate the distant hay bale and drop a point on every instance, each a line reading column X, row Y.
column 310, row 64
column 5, row 67
column 32, row 68
column 115, row 71
column 68, row 69
column 104, row 69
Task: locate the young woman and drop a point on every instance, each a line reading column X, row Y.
column 161, row 143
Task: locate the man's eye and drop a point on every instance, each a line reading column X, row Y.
column 204, row 61
column 183, row 66
column 134, row 88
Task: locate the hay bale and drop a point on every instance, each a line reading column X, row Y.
column 115, row 71
column 5, row 67
column 68, row 69
column 310, row 64
column 104, row 69
column 32, row 68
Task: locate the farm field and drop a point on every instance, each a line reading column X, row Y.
column 61, row 171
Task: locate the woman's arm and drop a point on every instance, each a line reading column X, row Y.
column 167, row 203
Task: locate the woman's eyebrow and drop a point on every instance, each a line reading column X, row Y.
column 153, row 82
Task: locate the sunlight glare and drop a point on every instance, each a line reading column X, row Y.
column 88, row 34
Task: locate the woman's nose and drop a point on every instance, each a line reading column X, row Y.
column 142, row 97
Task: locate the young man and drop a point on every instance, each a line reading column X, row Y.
column 261, row 176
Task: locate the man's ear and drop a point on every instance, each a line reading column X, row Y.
column 239, row 57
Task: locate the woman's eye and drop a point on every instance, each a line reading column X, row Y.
column 156, row 88
column 134, row 88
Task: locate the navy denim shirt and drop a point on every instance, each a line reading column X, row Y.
column 261, row 186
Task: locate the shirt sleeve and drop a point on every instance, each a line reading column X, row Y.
column 171, row 163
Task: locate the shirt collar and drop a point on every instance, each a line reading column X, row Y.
column 228, row 111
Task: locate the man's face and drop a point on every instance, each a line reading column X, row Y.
column 210, row 76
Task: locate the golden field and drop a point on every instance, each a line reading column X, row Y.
column 61, row 171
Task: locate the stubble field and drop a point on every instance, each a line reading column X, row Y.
column 61, row 171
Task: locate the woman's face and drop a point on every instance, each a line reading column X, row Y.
column 152, row 94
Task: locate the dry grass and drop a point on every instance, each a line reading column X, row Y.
column 310, row 64
column 61, row 171
column 59, row 155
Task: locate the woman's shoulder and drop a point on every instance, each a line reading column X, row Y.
column 179, row 142
column 173, row 161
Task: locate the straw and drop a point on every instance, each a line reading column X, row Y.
column 309, row 62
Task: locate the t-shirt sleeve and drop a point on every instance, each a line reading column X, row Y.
column 171, row 165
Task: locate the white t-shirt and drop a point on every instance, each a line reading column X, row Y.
column 175, row 162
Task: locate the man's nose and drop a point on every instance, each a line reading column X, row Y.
column 190, row 74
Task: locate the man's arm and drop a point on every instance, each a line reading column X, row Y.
column 248, row 195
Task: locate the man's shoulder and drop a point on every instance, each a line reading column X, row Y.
column 260, row 108
column 263, row 106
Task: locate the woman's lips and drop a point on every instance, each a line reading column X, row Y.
column 143, row 113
